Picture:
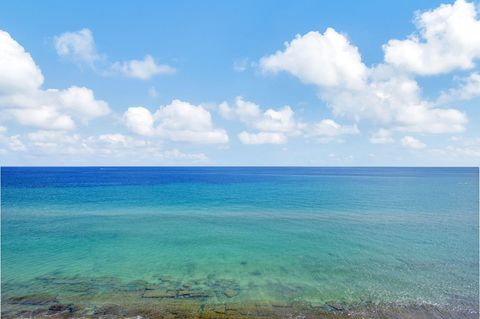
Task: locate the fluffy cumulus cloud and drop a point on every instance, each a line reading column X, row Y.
column 139, row 120
column 272, row 126
column 412, row 143
column 447, row 39
column 46, row 117
column 23, row 99
column 142, row 69
column 18, row 71
column 275, row 126
column 327, row 130
column 80, row 46
column 242, row 110
column 395, row 101
column 468, row 88
column 330, row 128
column 281, row 120
column 81, row 101
column 384, row 94
column 178, row 121
column 326, row 59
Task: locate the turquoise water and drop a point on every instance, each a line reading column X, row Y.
column 316, row 235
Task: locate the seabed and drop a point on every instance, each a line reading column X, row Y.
column 105, row 297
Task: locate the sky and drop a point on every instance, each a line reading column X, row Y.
column 302, row 83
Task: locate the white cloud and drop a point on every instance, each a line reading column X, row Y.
column 139, row 120
column 46, row 117
column 330, row 128
column 384, row 94
column 463, row 151
column 395, row 101
column 447, row 39
column 114, row 139
column 23, row 99
column 15, row 144
column 273, row 125
column 327, row 131
column 412, row 142
column 43, row 136
column 180, row 115
column 78, row 45
column 278, row 121
column 270, row 120
column 380, row 94
column 18, row 71
column 463, row 146
column 242, row 110
column 77, row 148
column 382, row 136
column 178, row 121
column 176, row 154
column 422, row 118
column 81, row 101
column 468, row 88
column 11, row 143
column 142, row 69
column 60, row 142
column 326, row 60
column 262, row 138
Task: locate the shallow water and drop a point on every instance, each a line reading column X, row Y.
column 316, row 236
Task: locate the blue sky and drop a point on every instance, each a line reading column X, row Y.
column 240, row 83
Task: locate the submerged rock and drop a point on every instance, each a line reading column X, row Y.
column 110, row 309
column 200, row 281
column 165, row 278
column 152, row 287
column 70, row 308
column 158, row 293
column 192, row 294
column 33, row 299
column 280, row 304
column 213, row 310
column 336, row 306
column 230, row 293
column 135, row 285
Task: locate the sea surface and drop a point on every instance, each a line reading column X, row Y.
column 216, row 235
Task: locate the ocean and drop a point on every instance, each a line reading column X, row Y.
column 119, row 240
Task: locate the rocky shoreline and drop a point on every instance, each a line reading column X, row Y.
column 191, row 309
column 168, row 297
